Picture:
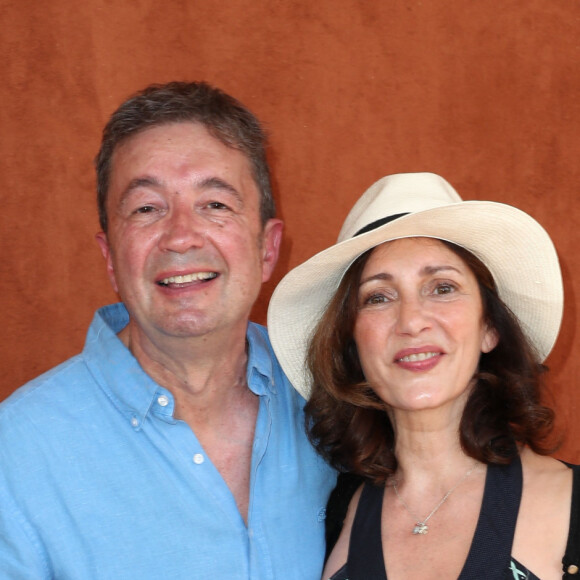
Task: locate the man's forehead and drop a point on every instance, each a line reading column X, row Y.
column 131, row 160
column 196, row 128
column 178, row 133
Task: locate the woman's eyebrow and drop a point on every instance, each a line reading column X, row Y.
column 441, row 268
column 427, row 270
column 379, row 276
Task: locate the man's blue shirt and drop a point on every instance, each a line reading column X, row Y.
column 98, row 480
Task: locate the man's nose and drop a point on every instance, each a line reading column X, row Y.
column 183, row 229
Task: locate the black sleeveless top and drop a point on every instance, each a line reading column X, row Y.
column 489, row 556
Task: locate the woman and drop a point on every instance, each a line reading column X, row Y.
column 424, row 329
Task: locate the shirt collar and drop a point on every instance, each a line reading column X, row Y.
column 116, row 370
column 261, row 368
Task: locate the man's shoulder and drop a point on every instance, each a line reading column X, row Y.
column 73, row 380
column 62, row 383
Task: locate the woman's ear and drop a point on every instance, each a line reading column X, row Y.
column 489, row 340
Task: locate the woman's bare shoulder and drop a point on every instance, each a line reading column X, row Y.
column 546, row 478
column 542, row 464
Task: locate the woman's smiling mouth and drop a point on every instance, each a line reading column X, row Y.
column 418, row 356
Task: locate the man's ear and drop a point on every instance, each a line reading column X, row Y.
column 103, row 242
column 271, row 240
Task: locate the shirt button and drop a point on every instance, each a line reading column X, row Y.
column 198, row 458
column 135, row 422
column 573, row 569
column 163, row 401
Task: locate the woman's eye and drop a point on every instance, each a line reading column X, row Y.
column 375, row 299
column 442, row 289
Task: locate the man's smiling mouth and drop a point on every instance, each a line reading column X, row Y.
column 187, row 278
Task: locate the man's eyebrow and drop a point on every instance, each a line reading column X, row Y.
column 148, row 181
column 220, row 184
column 136, row 183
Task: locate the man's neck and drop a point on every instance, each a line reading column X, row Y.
column 197, row 368
column 207, row 378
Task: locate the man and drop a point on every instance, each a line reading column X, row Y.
column 172, row 446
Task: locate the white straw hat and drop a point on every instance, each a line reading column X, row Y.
column 514, row 247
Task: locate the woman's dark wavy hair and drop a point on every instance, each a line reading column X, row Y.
column 349, row 426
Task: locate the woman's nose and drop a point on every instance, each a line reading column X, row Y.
column 412, row 316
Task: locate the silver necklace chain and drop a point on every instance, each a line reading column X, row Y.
column 421, row 526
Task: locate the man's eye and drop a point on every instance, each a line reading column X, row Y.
column 217, row 205
column 145, row 209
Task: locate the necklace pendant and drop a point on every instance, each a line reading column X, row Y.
column 420, row 528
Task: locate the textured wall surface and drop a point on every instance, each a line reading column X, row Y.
column 484, row 93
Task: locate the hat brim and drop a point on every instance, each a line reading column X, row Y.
column 515, row 248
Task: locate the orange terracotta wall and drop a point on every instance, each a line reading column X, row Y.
column 485, row 93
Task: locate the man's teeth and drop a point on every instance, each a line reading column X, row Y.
column 188, row 278
column 419, row 356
